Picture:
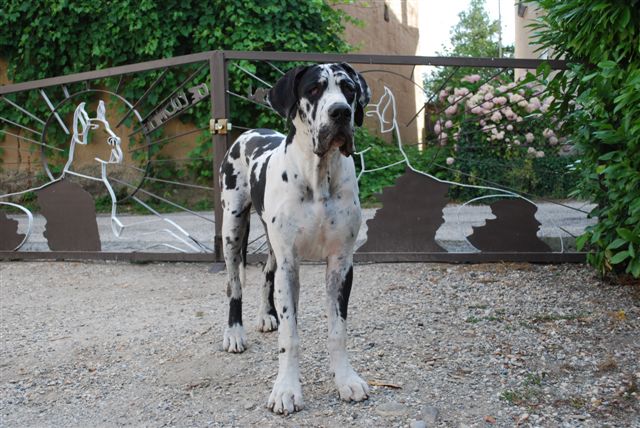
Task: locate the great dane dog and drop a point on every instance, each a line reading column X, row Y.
column 304, row 188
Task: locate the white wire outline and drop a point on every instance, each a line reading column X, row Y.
column 389, row 100
column 82, row 124
column 29, row 227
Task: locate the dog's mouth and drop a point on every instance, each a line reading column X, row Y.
column 340, row 138
column 344, row 144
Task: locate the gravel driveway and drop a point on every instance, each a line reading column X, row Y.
column 504, row 345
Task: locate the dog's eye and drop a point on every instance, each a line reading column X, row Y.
column 314, row 91
column 349, row 91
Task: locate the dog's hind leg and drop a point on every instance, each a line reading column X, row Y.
column 267, row 315
column 235, row 231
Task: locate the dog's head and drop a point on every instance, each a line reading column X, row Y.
column 326, row 101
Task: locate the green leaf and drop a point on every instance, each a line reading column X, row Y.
column 617, row 244
column 619, row 257
column 581, row 241
column 628, row 235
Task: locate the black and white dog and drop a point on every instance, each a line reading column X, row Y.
column 304, row 188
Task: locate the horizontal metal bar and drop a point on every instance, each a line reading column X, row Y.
column 284, row 56
column 99, row 255
column 257, row 258
column 395, row 59
column 107, row 72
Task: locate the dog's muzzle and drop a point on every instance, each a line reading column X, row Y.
column 339, row 133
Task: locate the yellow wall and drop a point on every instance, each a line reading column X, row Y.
column 397, row 36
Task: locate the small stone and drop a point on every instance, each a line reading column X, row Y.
column 391, row 409
column 418, row 424
column 429, row 414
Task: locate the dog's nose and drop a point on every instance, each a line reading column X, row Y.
column 340, row 112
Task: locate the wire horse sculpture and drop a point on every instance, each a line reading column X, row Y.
column 385, row 107
column 82, row 125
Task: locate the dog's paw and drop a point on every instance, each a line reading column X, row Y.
column 286, row 396
column 235, row 340
column 351, row 386
column 266, row 323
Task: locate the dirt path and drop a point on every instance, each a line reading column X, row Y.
column 106, row 344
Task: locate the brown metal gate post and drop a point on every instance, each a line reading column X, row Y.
column 220, row 138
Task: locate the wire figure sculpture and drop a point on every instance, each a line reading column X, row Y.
column 82, row 125
column 386, row 113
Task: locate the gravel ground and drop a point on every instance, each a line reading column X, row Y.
column 112, row 344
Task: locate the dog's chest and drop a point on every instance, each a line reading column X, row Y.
column 324, row 227
column 317, row 220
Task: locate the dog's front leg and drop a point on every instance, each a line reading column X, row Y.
column 286, row 396
column 339, row 279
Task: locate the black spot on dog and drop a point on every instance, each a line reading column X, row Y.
column 234, row 153
column 258, row 185
column 258, row 145
column 284, row 310
column 230, row 176
column 291, row 135
column 235, row 311
column 284, row 177
column 282, row 350
column 344, row 292
column 273, row 220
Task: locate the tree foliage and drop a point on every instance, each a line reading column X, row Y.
column 601, row 38
column 475, row 34
column 60, row 37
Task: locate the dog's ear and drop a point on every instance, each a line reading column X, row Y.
column 363, row 93
column 283, row 97
column 81, row 124
column 101, row 112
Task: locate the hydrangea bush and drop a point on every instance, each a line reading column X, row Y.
column 500, row 132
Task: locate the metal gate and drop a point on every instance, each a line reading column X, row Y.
column 91, row 109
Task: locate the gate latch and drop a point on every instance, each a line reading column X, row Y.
column 220, row 126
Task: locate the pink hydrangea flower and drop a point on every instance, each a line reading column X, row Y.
column 450, row 160
column 451, row 110
column 529, row 137
column 437, row 128
column 448, row 124
column 500, row 100
column 496, row 117
column 487, row 105
column 461, row 92
column 515, row 98
column 473, row 78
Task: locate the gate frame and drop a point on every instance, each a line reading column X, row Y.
column 218, row 69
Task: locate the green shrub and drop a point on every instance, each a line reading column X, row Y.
column 500, row 133
column 601, row 38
